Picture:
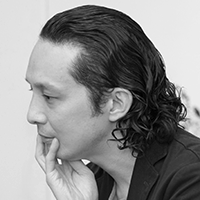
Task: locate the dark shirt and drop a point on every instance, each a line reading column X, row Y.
column 165, row 172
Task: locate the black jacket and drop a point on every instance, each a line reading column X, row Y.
column 166, row 172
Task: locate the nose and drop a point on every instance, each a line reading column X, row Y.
column 36, row 114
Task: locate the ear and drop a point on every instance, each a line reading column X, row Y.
column 121, row 101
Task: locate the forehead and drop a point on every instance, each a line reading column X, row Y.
column 51, row 61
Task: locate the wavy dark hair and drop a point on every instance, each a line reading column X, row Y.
column 117, row 53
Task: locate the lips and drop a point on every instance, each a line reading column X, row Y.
column 45, row 139
column 47, row 143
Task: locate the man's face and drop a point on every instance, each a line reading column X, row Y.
column 60, row 107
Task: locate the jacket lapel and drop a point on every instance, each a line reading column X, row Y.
column 144, row 174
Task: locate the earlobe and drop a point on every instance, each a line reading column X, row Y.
column 121, row 102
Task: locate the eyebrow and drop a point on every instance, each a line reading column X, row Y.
column 44, row 86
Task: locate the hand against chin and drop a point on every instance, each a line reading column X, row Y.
column 69, row 180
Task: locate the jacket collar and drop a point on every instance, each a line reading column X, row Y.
column 144, row 174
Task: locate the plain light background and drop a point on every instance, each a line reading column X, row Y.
column 173, row 26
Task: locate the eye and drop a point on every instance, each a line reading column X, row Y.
column 47, row 97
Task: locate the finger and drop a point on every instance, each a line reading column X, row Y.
column 67, row 168
column 51, row 158
column 39, row 153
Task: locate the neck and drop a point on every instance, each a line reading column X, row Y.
column 119, row 164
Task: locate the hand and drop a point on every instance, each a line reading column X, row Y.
column 69, row 180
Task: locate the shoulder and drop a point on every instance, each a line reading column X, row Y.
column 183, row 151
column 182, row 163
column 178, row 168
column 186, row 144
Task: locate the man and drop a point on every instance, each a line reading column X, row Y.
column 100, row 93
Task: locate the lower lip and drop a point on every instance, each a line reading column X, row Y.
column 46, row 139
column 47, row 143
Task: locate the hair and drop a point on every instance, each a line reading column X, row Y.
column 117, row 53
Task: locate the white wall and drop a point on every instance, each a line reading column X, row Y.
column 173, row 26
column 21, row 178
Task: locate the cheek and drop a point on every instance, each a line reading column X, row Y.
column 75, row 140
column 70, row 122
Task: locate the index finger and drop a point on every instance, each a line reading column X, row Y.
column 51, row 158
column 39, row 153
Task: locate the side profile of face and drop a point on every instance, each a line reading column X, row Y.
column 60, row 107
